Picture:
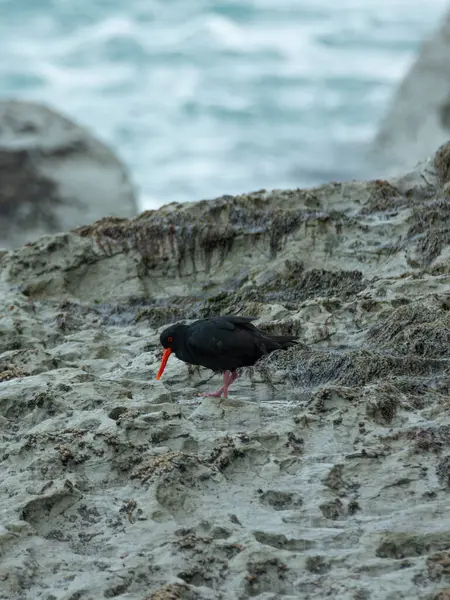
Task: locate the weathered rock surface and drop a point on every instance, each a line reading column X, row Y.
column 418, row 120
column 328, row 475
column 54, row 175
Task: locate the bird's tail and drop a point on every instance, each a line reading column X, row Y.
column 283, row 341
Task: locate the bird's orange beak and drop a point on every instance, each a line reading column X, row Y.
column 165, row 358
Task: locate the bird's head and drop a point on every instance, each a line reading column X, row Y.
column 170, row 338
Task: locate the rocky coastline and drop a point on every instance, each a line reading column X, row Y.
column 326, row 474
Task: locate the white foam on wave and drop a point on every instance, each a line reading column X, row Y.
column 70, row 78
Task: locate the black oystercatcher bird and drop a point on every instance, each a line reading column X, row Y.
column 222, row 344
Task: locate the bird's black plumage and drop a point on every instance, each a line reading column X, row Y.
column 221, row 343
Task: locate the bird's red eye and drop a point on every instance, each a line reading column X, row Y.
column 170, row 339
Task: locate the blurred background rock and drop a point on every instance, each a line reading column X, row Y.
column 54, row 175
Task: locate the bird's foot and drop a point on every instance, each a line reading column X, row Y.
column 217, row 394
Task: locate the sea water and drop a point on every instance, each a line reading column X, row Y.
column 206, row 97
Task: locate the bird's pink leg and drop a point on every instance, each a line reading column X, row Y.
column 233, row 377
column 228, row 378
column 224, row 388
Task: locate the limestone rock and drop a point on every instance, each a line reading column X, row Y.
column 324, row 475
column 54, row 175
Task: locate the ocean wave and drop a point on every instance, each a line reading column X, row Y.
column 206, row 97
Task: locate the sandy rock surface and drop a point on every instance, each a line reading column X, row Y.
column 326, row 474
column 54, row 175
column 418, row 120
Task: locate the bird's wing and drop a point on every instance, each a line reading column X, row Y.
column 221, row 336
column 237, row 320
column 232, row 322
